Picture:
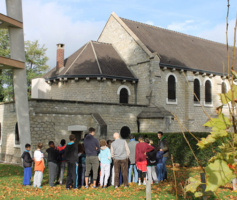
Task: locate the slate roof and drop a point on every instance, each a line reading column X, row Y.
column 94, row 59
column 154, row 113
column 178, row 49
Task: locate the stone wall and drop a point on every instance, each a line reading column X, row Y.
column 92, row 91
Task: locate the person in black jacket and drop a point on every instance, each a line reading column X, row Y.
column 151, row 164
column 27, row 163
column 53, row 155
column 71, row 157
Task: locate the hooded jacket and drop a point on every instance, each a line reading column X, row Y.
column 105, row 155
column 27, row 160
column 151, row 158
column 71, row 153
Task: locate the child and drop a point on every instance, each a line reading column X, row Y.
column 140, row 158
column 52, row 162
column 61, row 163
column 81, row 165
column 151, row 163
column 39, row 166
column 27, row 163
column 159, row 165
column 105, row 161
column 71, row 156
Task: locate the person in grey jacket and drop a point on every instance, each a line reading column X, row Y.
column 163, row 146
column 132, row 165
column 120, row 153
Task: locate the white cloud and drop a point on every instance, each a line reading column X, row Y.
column 182, row 26
column 149, row 22
column 218, row 33
column 48, row 23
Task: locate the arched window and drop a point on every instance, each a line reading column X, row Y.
column 171, row 88
column 123, row 96
column 125, row 132
column 196, row 89
column 208, row 93
column 223, row 88
column 17, row 136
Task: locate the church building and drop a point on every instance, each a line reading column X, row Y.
column 134, row 78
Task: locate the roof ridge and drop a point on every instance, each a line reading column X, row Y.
column 93, row 41
column 96, row 58
column 191, row 36
column 76, row 58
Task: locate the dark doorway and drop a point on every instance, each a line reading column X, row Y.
column 78, row 135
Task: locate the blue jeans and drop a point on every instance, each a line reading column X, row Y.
column 164, row 167
column 81, row 174
column 159, row 171
column 134, row 167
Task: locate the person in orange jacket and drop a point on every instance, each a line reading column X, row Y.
column 39, row 166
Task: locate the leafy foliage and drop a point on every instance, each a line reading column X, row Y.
column 180, row 150
column 35, row 65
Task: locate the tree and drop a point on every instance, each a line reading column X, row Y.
column 35, row 65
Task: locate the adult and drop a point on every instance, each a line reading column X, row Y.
column 140, row 158
column 71, row 156
column 52, row 162
column 120, row 153
column 163, row 146
column 132, row 165
column 61, row 163
column 92, row 148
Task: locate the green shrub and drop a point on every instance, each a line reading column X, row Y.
column 180, row 149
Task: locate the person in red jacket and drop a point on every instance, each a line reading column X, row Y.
column 140, row 158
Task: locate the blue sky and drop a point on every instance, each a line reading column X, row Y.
column 75, row 22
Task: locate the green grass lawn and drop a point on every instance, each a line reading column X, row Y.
column 11, row 188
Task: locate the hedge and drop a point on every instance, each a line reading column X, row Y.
column 180, row 149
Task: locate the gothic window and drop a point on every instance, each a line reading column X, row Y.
column 123, row 96
column 17, row 136
column 125, row 132
column 223, row 88
column 196, row 89
column 208, row 93
column 171, row 88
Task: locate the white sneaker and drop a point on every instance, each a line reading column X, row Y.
column 139, row 183
column 144, row 183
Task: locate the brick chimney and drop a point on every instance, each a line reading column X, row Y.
column 60, row 56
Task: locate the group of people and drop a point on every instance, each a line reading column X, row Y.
column 101, row 162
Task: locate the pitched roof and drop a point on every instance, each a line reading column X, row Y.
column 94, row 59
column 179, row 49
column 154, row 113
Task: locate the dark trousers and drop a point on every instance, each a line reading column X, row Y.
column 141, row 174
column 72, row 170
column 123, row 164
column 164, row 168
column 52, row 172
column 81, row 174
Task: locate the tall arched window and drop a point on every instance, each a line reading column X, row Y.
column 208, row 92
column 17, row 136
column 196, row 89
column 123, row 96
column 125, row 132
column 223, row 88
column 171, row 88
